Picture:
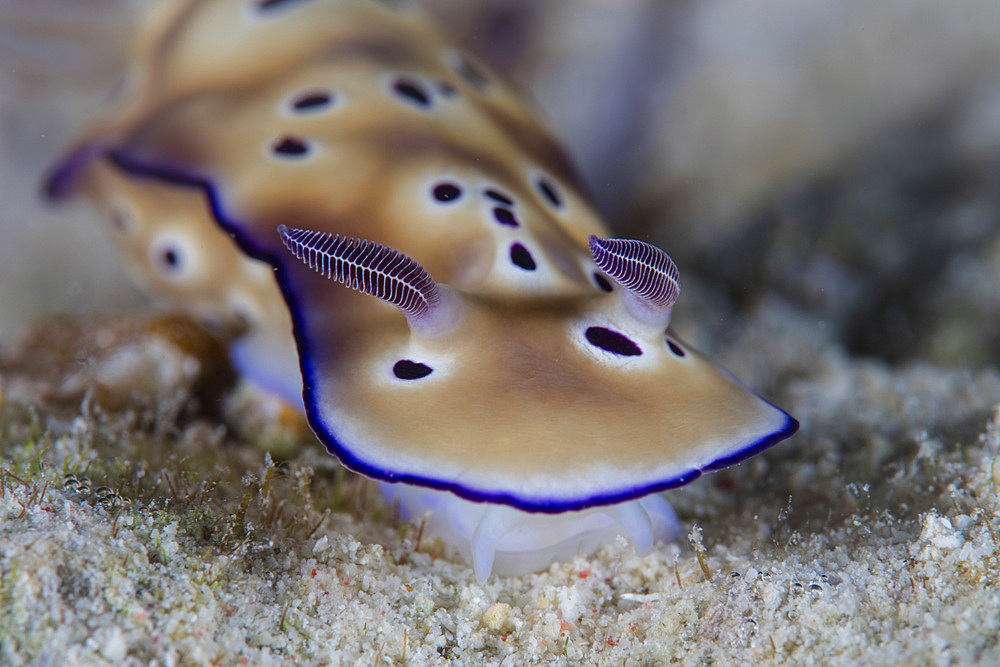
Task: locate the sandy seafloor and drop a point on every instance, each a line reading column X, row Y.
column 844, row 262
column 868, row 539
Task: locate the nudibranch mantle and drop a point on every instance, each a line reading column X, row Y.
column 338, row 180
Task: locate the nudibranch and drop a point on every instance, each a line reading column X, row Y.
column 412, row 261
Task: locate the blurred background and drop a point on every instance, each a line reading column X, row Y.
column 835, row 159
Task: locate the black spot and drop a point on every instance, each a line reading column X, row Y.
column 505, row 216
column 675, row 348
column 612, row 341
column 471, row 73
column 499, row 197
column 312, row 101
column 290, row 147
column 446, row 89
column 549, row 192
column 412, row 92
column 172, row 258
column 405, row 369
column 522, row 258
column 273, row 4
column 447, row 192
column 602, row 282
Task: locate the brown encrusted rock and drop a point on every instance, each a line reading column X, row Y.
column 123, row 363
column 264, row 420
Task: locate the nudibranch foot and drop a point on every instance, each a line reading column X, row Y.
column 502, row 540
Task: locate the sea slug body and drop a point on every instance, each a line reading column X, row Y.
column 413, row 263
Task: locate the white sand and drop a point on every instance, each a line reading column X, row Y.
column 869, row 538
